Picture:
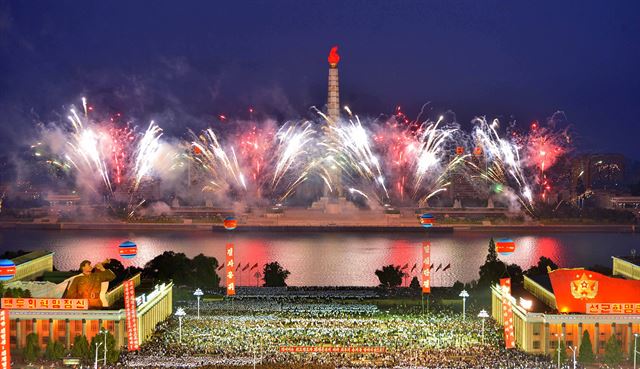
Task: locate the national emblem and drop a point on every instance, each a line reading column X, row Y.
column 583, row 287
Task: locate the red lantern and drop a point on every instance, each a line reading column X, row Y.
column 505, row 246
column 459, row 150
column 230, row 223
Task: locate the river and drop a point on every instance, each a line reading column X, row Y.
column 329, row 259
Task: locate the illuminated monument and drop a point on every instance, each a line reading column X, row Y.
column 333, row 201
column 333, row 96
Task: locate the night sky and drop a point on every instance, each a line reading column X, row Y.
column 184, row 62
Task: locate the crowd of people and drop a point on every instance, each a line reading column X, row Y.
column 244, row 332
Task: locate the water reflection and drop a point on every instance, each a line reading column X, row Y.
column 346, row 259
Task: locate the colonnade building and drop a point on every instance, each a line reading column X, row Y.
column 54, row 318
column 563, row 304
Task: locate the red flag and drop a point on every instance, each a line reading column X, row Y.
column 575, row 289
column 5, row 346
column 507, row 314
column 231, row 278
column 426, row 271
column 131, row 315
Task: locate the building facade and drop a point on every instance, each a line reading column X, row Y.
column 63, row 325
column 540, row 329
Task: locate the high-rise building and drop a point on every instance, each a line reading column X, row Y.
column 598, row 172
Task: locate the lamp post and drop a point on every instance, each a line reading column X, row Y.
column 635, row 349
column 464, row 294
column 559, row 335
column 198, row 293
column 104, row 331
column 95, row 363
column 180, row 313
column 574, row 349
column 483, row 315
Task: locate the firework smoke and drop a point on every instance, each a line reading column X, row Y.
column 374, row 162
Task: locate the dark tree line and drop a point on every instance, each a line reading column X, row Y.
column 183, row 271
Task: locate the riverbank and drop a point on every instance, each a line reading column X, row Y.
column 246, row 227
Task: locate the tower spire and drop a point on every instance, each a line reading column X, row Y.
column 333, row 96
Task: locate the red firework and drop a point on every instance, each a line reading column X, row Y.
column 252, row 149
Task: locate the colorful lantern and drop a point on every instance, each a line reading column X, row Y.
column 230, row 223
column 427, row 220
column 459, row 150
column 7, row 269
column 505, row 246
column 128, row 250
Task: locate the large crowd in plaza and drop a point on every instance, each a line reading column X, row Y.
column 244, row 332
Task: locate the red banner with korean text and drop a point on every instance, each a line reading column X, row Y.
column 426, row 267
column 613, row 308
column 133, row 344
column 335, row 349
column 5, row 345
column 576, row 289
column 231, row 277
column 45, row 304
column 507, row 313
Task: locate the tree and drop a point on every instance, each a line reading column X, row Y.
column 390, row 276
column 80, row 348
column 205, row 271
column 415, row 284
column 492, row 269
column 514, row 271
column 200, row 271
column 613, row 351
column 563, row 353
column 274, row 275
column 544, row 263
column 170, row 266
column 54, row 351
column 31, row 350
column 585, row 355
column 457, row 286
column 17, row 292
column 113, row 354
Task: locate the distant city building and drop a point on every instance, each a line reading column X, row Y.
column 62, row 201
column 598, row 172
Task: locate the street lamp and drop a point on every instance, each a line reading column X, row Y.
column 574, row 349
column 559, row 335
column 464, row 294
column 95, row 363
column 635, row 349
column 198, row 293
column 180, row 313
column 483, row 315
column 104, row 331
